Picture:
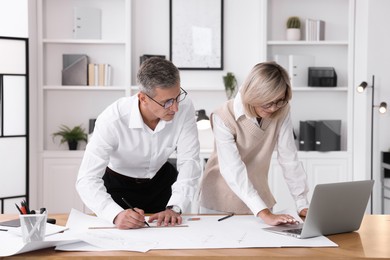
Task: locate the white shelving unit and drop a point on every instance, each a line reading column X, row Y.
column 55, row 37
column 75, row 105
column 316, row 103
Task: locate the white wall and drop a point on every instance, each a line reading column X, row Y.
column 378, row 64
column 241, row 37
column 13, row 18
column 372, row 43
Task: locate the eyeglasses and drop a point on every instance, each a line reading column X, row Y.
column 278, row 103
column 170, row 102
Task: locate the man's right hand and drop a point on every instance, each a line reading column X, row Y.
column 130, row 219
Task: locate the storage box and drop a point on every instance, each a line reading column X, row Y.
column 322, row 77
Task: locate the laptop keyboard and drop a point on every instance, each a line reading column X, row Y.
column 297, row 231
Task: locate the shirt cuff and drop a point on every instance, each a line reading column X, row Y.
column 302, row 204
column 256, row 205
column 110, row 212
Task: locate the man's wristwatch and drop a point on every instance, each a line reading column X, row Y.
column 175, row 209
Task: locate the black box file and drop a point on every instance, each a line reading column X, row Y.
column 322, row 77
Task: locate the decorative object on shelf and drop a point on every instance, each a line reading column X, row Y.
column 322, row 77
column 293, row 32
column 196, row 34
column 382, row 109
column 71, row 136
column 202, row 120
column 74, row 69
column 230, row 82
column 87, row 23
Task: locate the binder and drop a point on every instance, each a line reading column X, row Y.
column 74, row 70
column 307, row 133
column 87, row 23
column 327, row 135
column 298, row 69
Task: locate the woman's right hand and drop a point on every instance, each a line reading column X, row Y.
column 276, row 219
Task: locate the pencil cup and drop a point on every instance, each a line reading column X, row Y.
column 33, row 227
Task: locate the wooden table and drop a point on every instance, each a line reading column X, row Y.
column 371, row 241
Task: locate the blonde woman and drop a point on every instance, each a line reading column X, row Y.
column 247, row 130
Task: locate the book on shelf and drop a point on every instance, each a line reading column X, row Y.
column 91, row 74
column 99, row 74
column 74, row 69
column 315, row 30
column 86, row 23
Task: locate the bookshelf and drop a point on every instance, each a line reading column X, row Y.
column 75, row 105
column 316, row 103
column 55, row 37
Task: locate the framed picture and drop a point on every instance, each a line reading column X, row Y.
column 196, row 34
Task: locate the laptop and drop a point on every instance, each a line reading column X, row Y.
column 335, row 208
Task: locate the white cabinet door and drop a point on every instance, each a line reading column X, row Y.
column 59, row 179
column 279, row 187
column 326, row 170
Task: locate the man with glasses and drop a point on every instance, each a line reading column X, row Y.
column 247, row 129
column 125, row 173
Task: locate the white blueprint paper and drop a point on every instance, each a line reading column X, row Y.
column 207, row 232
column 12, row 243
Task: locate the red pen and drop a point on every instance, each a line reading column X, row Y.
column 23, row 209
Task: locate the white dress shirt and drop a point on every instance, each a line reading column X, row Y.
column 231, row 165
column 123, row 142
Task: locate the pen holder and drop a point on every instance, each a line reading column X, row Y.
column 33, row 227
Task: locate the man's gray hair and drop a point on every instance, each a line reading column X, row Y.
column 157, row 72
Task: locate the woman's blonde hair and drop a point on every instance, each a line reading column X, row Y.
column 265, row 82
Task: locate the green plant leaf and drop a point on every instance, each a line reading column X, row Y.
column 67, row 134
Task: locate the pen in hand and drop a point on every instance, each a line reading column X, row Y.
column 131, row 207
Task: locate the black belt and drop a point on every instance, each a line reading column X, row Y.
column 127, row 178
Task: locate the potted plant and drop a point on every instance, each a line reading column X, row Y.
column 230, row 82
column 71, row 136
column 293, row 28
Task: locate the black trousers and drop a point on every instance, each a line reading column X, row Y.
column 151, row 195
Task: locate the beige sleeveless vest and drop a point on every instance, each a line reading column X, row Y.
column 255, row 146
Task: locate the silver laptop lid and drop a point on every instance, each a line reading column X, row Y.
column 337, row 208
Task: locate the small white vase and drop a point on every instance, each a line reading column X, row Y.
column 293, row 34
